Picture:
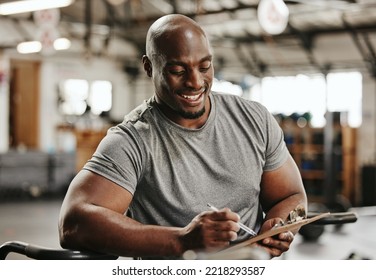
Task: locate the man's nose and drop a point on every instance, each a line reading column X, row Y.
column 194, row 79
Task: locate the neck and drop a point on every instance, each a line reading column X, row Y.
column 195, row 123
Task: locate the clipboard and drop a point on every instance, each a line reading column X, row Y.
column 276, row 230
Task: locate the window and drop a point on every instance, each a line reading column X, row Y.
column 345, row 95
column 222, row 86
column 100, row 98
column 77, row 95
column 301, row 94
column 73, row 95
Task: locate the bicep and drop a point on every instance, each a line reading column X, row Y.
column 92, row 208
column 89, row 188
column 280, row 184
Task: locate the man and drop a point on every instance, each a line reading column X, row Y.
column 183, row 148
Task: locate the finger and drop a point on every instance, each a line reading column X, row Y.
column 217, row 221
column 224, row 214
column 226, row 236
column 225, row 225
column 278, row 243
column 223, row 231
column 216, row 239
column 273, row 252
column 219, row 227
column 286, row 236
column 276, row 248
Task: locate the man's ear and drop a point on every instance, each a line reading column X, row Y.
column 147, row 65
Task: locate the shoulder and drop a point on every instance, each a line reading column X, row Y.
column 239, row 105
column 138, row 113
column 140, row 118
column 235, row 100
column 135, row 126
column 128, row 136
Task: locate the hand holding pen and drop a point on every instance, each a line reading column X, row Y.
column 242, row 226
column 210, row 230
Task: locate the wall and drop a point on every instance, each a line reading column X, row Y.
column 127, row 93
column 4, row 103
column 367, row 131
column 54, row 71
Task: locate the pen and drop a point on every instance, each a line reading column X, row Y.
column 242, row 226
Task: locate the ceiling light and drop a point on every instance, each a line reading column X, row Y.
column 17, row 7
column 62, row 44
column 273, row 16
column 29, row 47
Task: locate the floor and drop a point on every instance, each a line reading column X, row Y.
column 35, row 221
column 350, row 241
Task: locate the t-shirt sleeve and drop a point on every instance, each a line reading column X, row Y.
column 118, row 158
column 276, row 150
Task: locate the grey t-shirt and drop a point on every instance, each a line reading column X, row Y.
column 173, row 172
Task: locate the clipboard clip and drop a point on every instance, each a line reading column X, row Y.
column 296, row 215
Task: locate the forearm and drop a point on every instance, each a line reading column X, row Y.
column 282, row 191
column 99, row 229
column 283, row 208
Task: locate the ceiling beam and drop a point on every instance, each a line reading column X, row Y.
column 369, row 57
column 88, row 22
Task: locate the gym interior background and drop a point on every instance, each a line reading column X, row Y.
column 312, row 63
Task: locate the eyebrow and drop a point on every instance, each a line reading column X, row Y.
column 177, row 62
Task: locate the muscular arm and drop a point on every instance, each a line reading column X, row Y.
column 92, row 218
column 282, row 191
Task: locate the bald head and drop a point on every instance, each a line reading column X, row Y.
column 169, row 28
column 179, row 62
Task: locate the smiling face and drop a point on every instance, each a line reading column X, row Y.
column 179, row 61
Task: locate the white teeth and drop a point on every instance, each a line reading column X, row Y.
column 192, row 97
